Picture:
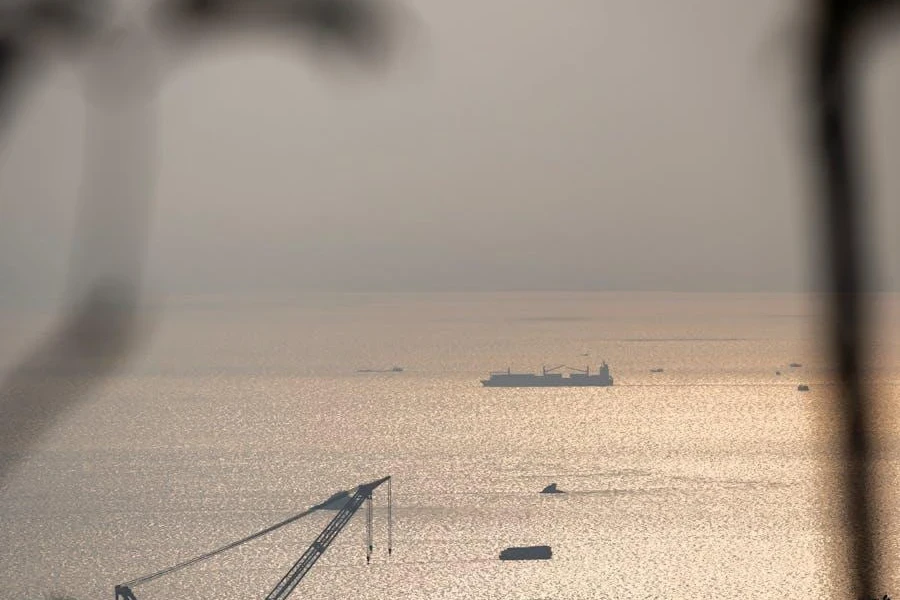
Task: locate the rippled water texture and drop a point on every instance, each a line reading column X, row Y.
column 710, row 479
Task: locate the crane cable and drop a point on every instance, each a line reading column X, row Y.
column 390, row 516
column 212, row 553
column 270, row 529
column 369, row 539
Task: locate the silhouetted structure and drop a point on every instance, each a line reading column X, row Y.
column 547, row 378
column 840, row 29
column 26, row 397
column 298, row 571
column 527, row 553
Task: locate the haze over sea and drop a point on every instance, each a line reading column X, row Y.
column 711, row 479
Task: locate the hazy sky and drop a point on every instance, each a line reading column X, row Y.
column 525, row 144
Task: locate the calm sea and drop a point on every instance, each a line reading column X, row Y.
column 710, row 479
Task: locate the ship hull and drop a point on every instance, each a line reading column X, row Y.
column 565, row 382
column 583, row 378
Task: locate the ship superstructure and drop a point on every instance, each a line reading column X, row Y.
column 552, row 378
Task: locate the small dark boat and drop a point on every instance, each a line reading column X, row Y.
column 802, row 388
column 552, row 489
column 527, row 553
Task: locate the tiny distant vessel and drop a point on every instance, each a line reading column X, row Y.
column 778, row 372
column 795, row 365
column 552, row 489
column 578, row 378
column 527, row 553
column 391, row 370
column 802, row 388
column 656, row 370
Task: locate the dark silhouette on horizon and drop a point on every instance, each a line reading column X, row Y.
column 100, row 328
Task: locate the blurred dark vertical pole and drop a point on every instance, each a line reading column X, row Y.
column 102, row 325
column 108, row 256
column 119, row 168
column 10, row 56
column 834, row 108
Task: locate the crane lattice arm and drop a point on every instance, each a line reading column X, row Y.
column 287, row 584
column 304, row 564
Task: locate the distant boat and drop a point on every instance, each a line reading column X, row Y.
column 527, row 553
column 552, row 489
column 656, row 370
column 802, row 388
column 391, row 370
column 795, row 365
column 778, row 372
column 579, row 378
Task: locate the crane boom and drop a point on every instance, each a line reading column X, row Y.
column 304, row 564
column 297, row 572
